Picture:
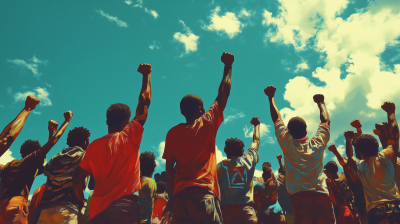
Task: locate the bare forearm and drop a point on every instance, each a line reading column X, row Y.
column 340, row 158
column 78, row 182
column 225, row 86
column 145, row 94
column 280, row 163
column 275, row 114
column 54, row 139
column 349, row 148
column 394, row 131
column 324, row 116
column 12, row 130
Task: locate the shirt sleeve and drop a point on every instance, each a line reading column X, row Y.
column 168, row 149
column 321, row 139
column 214, row 115
column 252, row 156
column 84, row 164
column 282, row 134
column 31, row 159
column 47, row 169
column 133, row 131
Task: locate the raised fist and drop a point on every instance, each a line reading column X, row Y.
column 389, row 107
column 68, row 115
column 227, row 58
column 53, row 125
column 356, row 123
column 270, row 91
column 318, row 98
column 348, row 134
column 381, row 128
column 145, row 69
column 332, row 148
column 31, row 102
column 279, row 156
column 255, row 121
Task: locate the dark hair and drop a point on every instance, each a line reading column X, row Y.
column 189, row 105
column 297, row 127
column 332, row 167
column 233, row 147
column 28, row 147
column 147, row 163
column 77, row 136
column 116, row 114
column 367, row 145
column 161, row 187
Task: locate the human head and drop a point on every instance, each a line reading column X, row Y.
column 331, row 169
column 367, row 145
column 192, row 107
column 267, row 171
column 118, row 116
column 233, row 147
column 161, row 187
column 78, row 136
column 147, row 164
column 157, row 177
column 297, row 127
column 30, row 146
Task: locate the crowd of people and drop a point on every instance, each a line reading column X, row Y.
column 194, row 188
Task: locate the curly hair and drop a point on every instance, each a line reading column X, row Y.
column 116, row 114
column 189, row 104
column 77, row 136
column 161, row 187
column 233, row 147
column 297, row 127
column 367, row 145
column 332, row 167
column 147, row 163
column 28, row 147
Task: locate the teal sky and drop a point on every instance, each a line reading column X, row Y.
column 83, row 56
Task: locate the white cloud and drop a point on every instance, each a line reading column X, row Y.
column 219, row 155
column 244, row 13
column 232, row 117
column 6, row 157
column 154, row 46
column 264, row 133
column 128, row 2
column 139, row 4
column 113, row 19
column 189, row 39
column 41, row 93
column 33, row 67
column 371, row 114
column 302, row 66
column 160, row 151
column 37, row 112
column 228, row 23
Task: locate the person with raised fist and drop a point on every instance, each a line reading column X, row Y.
column 376, row 170
column 12, row 130
column 18, row 175
column 191, row 146
column 304, row 163
column 113, row 162
column 235, row 178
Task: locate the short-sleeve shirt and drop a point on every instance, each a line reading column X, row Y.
column 235, row 178
column 18, row 175
column 192, row 147
column 113, row 161
column 159, row 206
column 378, row 179
column 59, row 171
column 146, row 197
column 303, row 159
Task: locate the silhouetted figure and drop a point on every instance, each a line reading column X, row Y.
column 149, row 186
column 160, row 202
column 304, row 163
column 191, row 146
column 235, row 178
column 18, row 175
column 283, row 195
column 113, row 161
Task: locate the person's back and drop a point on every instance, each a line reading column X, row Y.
column 149, row 186
column 191, row 146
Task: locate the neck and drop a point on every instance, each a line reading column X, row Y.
column 113, row 130
column 146, row 175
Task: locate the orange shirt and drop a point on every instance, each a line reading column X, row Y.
column 35, row 201
column 113, row 161
column 192, row 147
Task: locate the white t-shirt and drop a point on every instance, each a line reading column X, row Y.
column 303, row 159
column 378, row 179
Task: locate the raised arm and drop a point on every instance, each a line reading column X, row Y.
column 57, row 135
column 324, row 116
column 275, row 114
column 145, row 94
column 390, row 108
column 256, row 133
column 340, row 158
column 351, row 160
column 225, row 87
column 12, row 130
column 281, row 167
column 357, row 125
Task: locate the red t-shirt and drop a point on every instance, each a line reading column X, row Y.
column 113, row 161
column 192, row 147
